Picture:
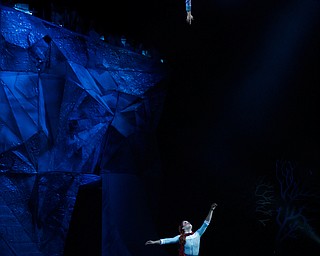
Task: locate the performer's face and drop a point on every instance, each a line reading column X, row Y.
column 186, row 225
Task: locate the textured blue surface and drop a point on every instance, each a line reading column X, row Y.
column 70, row 107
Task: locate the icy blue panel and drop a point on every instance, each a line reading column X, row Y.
column 70, row 106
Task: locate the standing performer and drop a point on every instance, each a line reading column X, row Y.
column 189, row 241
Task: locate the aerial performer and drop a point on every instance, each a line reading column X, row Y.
column 188, row 10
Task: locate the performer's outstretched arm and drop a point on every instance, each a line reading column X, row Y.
column 209, row 216
column 153, row 242
column 188, row 10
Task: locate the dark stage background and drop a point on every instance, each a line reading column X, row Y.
column 243, row 93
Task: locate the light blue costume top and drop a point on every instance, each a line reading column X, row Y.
column 192, row 245
column 188, row 5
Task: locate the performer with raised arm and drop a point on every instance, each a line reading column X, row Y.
column 189, row 241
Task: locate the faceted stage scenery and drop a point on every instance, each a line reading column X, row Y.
column 118, row 122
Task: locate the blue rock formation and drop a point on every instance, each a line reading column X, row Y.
column 74, row 111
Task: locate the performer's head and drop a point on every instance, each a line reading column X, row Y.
column 185, row 227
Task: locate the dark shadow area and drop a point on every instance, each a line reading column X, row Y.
column 84, row 236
